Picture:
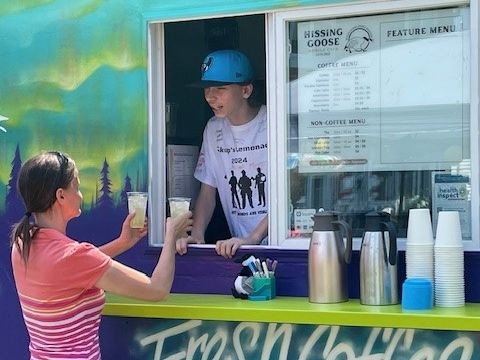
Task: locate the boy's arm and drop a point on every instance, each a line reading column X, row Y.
column 259, row 233
column 204, row 207
column 228, row 248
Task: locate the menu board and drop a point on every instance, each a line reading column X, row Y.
column 182, row 161
column 384, row 92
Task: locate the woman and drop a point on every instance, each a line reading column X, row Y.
column 61, row 282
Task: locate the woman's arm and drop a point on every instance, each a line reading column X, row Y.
column 126, row 281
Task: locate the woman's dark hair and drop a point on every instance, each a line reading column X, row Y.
column 39, row 179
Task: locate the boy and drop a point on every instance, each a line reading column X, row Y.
column 234, row 144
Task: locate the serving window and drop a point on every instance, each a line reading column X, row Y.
column 379, row 116
column 179, row 111
column 369, row 108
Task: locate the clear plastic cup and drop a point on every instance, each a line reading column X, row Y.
column 137, row 202
column 178, row 206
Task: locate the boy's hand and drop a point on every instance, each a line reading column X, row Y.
column 228, row 248
column 183, row 242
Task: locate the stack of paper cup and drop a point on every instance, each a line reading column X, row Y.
column 419, row 248
column 449, row 265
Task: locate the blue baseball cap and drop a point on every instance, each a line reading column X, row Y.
column 225, row 67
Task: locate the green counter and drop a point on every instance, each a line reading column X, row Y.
column 295, row 310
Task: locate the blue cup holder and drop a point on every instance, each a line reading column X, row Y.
column 417, row 294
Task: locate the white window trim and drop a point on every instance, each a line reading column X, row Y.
column 156, row 133
column 276, row 66
column 277, row 109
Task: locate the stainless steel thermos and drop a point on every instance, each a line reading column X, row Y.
column 328, row 258
column 378, row 260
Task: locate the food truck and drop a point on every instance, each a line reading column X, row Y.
column 371, row 105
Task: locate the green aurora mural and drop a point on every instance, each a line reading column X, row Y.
column 72, row 83
column 73, row 77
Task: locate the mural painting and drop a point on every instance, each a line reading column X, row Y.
column 72, row 79
column 104, row 201
column 76, row 82
column 196, row 339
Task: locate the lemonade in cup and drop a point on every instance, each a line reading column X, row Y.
column 178, row 206
column 137, row 202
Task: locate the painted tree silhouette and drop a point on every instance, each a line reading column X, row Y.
column 105, row 201
column 126, row 188
column 13, row 203
column 94, row 198
column 102, row 222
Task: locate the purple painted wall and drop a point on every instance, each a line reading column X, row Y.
column 200, row 271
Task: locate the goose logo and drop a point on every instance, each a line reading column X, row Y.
column 358, row 39
column 206, row 65
column 3, row 118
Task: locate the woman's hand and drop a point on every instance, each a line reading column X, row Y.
column 129, row 237
column 177, row 227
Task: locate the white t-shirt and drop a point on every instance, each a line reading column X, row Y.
column 233, row 159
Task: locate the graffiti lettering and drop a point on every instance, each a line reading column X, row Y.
column 194, row 344
column 467, row 349
column 219, row 336
column 392, row 345
column 255, row 327
column 279, row 343
column 159, row 338
column 311, row 341
column 273, row 334
column 427, row 353
column 367, row 350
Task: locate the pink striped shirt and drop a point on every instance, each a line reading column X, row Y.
column 61, row 305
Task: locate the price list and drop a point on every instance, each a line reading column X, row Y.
column 340, row 103
column 363, row 96
column 339, row 90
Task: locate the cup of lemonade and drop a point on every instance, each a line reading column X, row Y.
column 137, row 202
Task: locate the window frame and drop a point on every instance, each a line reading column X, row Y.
column 156, row 132
column 276, row 75
column 156, row 124
column 278, row 78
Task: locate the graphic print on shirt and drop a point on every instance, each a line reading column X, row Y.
column 244, row 185
column 260, row 180
column 233, row 182
column 246, row 176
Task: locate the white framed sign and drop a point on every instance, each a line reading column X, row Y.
column 384, row 92
column 182, row 161
column 452, row 193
